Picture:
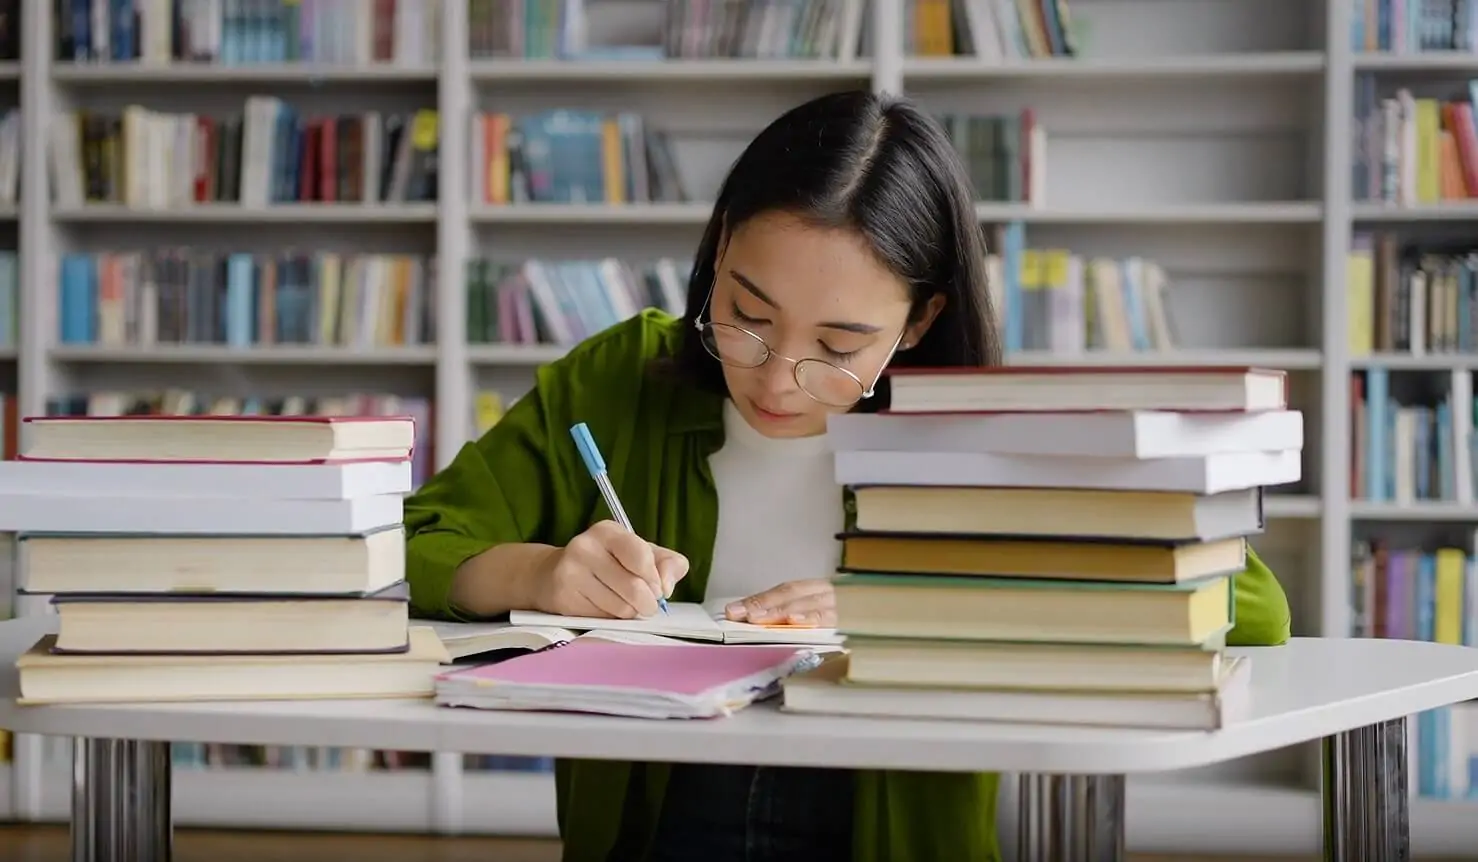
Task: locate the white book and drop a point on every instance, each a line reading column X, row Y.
column 341, row 481
column 1126, row 434
column 45, row 513
column 1210, row 474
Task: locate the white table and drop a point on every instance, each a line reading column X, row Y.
column 1352, row 694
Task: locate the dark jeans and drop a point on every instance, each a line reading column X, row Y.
column 718, row 813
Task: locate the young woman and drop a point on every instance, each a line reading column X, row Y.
column 843, row 241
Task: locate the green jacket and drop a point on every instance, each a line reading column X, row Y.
column 523, row 481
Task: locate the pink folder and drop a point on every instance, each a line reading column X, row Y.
column 685, row 669
column 647, row 680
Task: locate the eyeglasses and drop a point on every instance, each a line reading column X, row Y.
column 822, row 381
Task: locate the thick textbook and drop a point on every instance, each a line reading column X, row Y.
column 217, row 439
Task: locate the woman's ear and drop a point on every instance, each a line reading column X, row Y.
column 915, row 331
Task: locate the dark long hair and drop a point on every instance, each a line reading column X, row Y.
column 879, row 166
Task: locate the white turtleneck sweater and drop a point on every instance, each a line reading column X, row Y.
column 779, row 510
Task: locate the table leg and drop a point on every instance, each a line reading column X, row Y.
column 1070, row 818
column 1366, row 815
column 121, row 801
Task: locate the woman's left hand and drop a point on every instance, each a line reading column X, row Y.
column 807, row 603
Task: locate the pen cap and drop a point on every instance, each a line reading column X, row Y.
column 588, row 451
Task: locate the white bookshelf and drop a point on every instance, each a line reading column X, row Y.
column 1209, row 135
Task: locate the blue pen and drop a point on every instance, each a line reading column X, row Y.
column 590, row 453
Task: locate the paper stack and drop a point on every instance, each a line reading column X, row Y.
column 1066, row 559
column 217, row 557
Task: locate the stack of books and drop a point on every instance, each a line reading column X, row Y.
column 1052, row 544
column 216, row 558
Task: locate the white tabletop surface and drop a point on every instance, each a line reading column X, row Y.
column 1305, row 690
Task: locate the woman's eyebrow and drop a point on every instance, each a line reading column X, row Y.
column 843, row 325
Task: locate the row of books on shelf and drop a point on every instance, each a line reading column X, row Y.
column 1005, row 155
column 57, row 750
column 1411, row 27
column 269, row 154
column 1046, row 299
column 401, row 32
column 1414, row 150
column 1051, row 299
column 575, row 156
column 572, row 156
column 1412, row 439
column 565, row 301
column 183, row 296
column 407, row 33
column 217, row 755
column 689, row 29
column 1430, row 595
column 993, row 30
column 1414, row 299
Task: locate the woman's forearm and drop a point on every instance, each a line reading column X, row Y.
column 501, row 579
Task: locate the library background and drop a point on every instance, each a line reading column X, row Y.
column 1285, row 183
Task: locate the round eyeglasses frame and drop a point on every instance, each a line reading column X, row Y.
column 708, row 330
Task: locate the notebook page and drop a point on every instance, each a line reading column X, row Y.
column 749, row 633
column 467, row 639
column 682, row 620
column 629, row 637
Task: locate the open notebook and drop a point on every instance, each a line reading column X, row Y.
column 533, row 630
column 679, row 680
column 688, row 621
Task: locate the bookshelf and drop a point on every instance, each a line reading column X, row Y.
column 1211, row 138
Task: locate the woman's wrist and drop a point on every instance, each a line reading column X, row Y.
column 501, row 579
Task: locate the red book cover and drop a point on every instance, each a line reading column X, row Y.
column 234, row 417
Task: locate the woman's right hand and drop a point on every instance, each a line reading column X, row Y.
column 609, row 572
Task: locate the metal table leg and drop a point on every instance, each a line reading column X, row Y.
column 1070, row 818
column 121, row 801
column 1366, row 815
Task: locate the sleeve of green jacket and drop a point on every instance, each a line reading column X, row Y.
column 522, row 481
column 1262, row 608
column 495, row 491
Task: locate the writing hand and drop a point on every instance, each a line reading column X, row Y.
column 807, row 603
column 608, row 571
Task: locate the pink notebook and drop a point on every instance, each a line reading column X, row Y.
column 644, row 680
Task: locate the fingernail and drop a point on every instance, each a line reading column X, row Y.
column 735, row 610
column 802, row 619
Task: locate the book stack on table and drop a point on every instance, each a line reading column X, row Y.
column 217, row 558
column 1066, row 558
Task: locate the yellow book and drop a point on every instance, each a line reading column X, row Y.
column 1448, row 615
column 1428, row 151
